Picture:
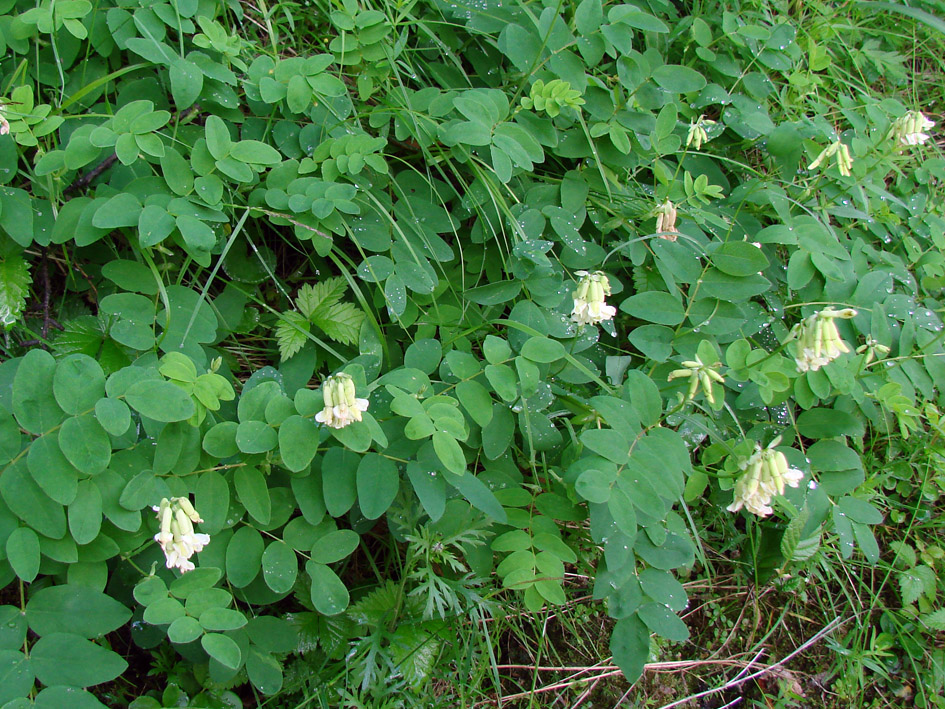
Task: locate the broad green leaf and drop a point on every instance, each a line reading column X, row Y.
column 85, row 513
column 678, row 79
column 34, row 404
column 244, row 556
column 329, row 594
column 252, row 491
column 221, row 619
column 196, row 580
column 264, row 671
column 662, row 621
column 655, row 306
column 28, row 502
column 739, row 258
column 378, row 482
column 184, row 630
column 828, row 423
column 85, row 444
column 449, row 452
column 74, row 609
column 279, row 566
column 630, row 646
column 256, row 437
column 335, row 546
column 223, row 649
column 298, row 442
column 212, row 498
column 160, row 400
column 55, row 475
column 479, row 495
column 543, row 349
column 16, row 675
column 113, row 415
column 23, row 553
column 68, row 659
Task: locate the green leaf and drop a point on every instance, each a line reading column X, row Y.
column 494, row 293
column 23, row 553
column 16, row 676
column 679, row 79
column 223, row 649
column 28, row 502
column 252, row 491
column 662, row 621
column 335, row 546
column 50, row 469
column 280, row 567
column 739, row 258
column 113, row 415
column 265, row 672
column 74, row 609
column 378, row 482
column 479, row 495
column 212, row 498
column 67, row 659
column 85, row 513
column 594, row 485
column 476, row 400
column 244, row 556
column 430, row 488
column 630, row 646
column 449, row 452
column 543, row 349
column 329, row 594
column 184, row 630
column 256, row 437
column 154, row 225
column 160, row 400
column 188, row 584
column 828, row 423
column 34, row 404
column 186, row 82
column 655, row 306
column 340, row 321
column 85, row 444
column 122, row 210
column 218, row 137
column 609, row 443
column 298, row 442
column 860, row 510
column 221, row 619
column 14, row 287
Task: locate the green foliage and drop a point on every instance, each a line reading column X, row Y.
column 574, row 335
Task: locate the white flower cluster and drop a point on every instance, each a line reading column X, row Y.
column 910, row 129
column 841, row 152
column 666, row 221
column 697, row 133
column 698, row 373
column 766, row 474
column 590, row 306
column 177, row 537
column 818, row 342
column 341, row 404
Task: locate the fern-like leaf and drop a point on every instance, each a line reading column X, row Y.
column 291, row 333
column 320, row 297
column 14, row 287
column 341, row 322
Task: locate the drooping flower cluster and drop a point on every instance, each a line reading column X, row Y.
column 766, row 474
column 697, row 132
column 177, row 537
column 698, row 373
column 666, row 221
column 840, row 152
column 910, row 129
column 590, row 306
column 817, row 341
column 341, row 403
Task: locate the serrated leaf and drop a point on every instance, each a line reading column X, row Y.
column 341, row 322
column 914, row 582
column 934, row 620
column 324, row 294
column 792, row 535
column 14, row 287
column 291, row 331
